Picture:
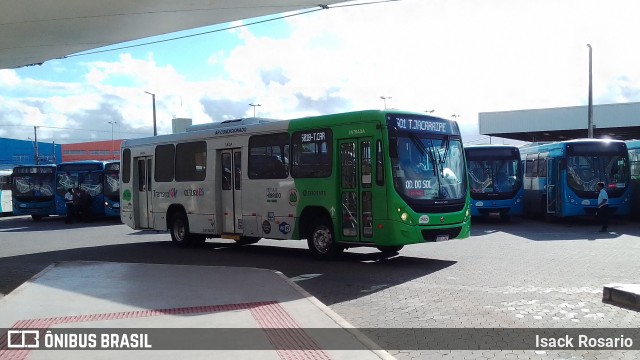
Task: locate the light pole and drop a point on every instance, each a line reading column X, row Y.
column 113, row 156
column 35, row 146
column 254, row 108
column 590, row 106
column 153, row 98
column 384, row 100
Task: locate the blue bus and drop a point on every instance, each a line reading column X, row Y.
column 634, row 166
column 560, row 178
column 112, row 189
column 94, row 177
column 495, row 180
column 33, row 190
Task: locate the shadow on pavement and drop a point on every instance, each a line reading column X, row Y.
column 579, row 228
column 352, row 276
column 49, row 223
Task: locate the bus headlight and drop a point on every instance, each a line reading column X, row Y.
column 404, row 216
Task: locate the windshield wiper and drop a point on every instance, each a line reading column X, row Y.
column 445, row 145
column 424, row 151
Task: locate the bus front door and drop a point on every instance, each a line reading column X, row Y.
column 231, row 204
column 142, row 194
column 355, row 190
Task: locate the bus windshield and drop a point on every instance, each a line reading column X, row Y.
column 429, row 168
column 112, row 185
column 585, row 171
column 494, row 176
column 91, row 182
column 28, row 186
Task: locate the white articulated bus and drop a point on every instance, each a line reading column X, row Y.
column 371, row 178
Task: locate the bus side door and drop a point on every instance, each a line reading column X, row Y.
column 355, row 189
column 231, row 199
column 142, row 195
column 554, row 187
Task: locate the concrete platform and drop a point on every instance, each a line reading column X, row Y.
column 627, row 295
column 186, row 312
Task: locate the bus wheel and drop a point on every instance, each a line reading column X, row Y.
column 180, row 230
column 36, row 217
column 322, row 242
column 247, row 240
column 390, row 249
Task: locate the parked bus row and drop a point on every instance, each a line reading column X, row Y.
column 554, row 180
column 39, row 190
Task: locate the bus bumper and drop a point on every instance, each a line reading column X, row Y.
column 391, row 233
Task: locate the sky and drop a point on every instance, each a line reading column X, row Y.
column 451, row 58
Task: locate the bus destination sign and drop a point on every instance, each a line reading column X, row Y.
column 306, row 137
column 424, row 124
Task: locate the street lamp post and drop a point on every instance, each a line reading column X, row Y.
column 113, row 156
column 384, row 100
column 254, row 108
column 590, row 107
column 153, row 98
column 36, row 157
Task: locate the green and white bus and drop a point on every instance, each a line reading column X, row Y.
column 382, row 179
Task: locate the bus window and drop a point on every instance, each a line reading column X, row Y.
column 379, row 164
column 165, row 161
column 237, row 169
column 226, row 171
column 269, row 156
column 365, row 171
column 191, row 161
column 126, row 166
column 311, row 157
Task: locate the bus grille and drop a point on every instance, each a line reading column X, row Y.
column 432, row 234
column 438, row 208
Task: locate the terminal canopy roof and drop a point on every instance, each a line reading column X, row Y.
column 34, row 31
column 613, row 121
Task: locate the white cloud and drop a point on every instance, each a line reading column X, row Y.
column 455, row 56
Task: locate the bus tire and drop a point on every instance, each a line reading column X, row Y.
column 322, row 242
column 180, row 234
column 36, row 217
column 390, row 249
column 247, row 240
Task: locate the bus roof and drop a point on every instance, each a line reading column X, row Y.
column 258, row 125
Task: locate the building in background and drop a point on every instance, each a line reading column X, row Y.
column 23, row 152
column 94, row 150
column 613, row 121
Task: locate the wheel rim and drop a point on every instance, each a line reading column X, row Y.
column 179, row 230
column 322, row 240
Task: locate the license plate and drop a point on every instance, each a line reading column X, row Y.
column 442, row 237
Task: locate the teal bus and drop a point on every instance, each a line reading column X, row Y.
column 33, row 190
column 633, row 147
column 380, row 179
column 495, row 180
column 6, row 203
